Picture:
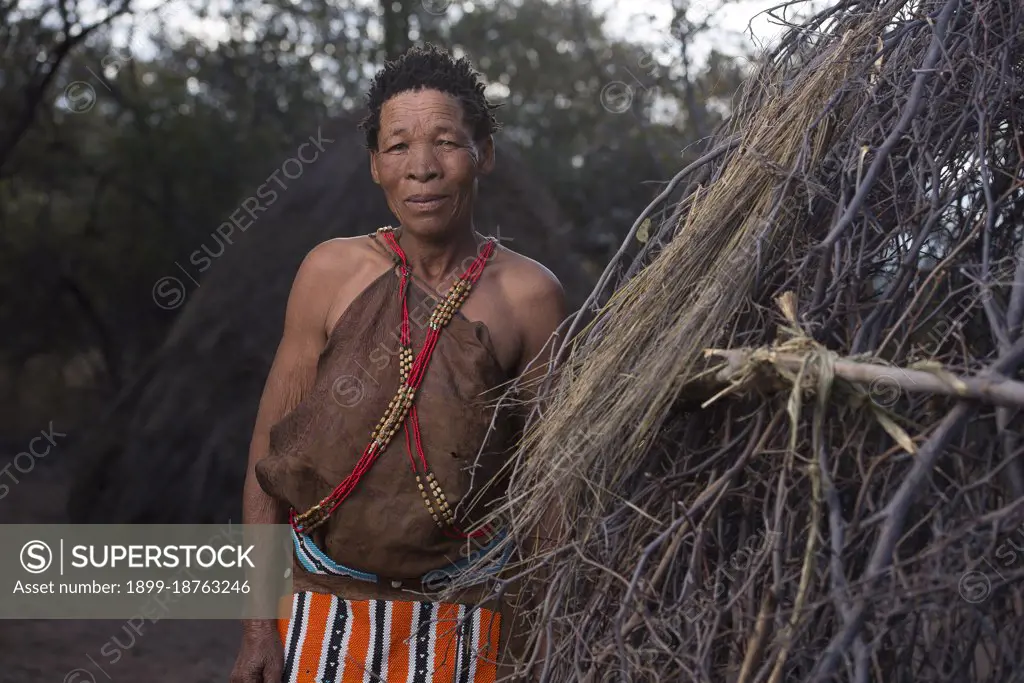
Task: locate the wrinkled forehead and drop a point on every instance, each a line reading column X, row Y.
column 422, row 112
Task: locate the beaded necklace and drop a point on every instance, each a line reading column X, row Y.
column 411, row 372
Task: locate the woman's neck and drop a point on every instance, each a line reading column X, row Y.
column 438, row 263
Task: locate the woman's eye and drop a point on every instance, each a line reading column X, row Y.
column 448, row 143
column 397, row 148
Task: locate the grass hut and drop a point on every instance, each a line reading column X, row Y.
column 788, row 448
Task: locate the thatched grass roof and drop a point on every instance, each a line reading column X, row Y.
column 173, row 448
column 789, row 446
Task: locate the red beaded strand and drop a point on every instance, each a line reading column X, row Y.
column 471, row 276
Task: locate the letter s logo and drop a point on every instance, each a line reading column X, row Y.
column 79, row 97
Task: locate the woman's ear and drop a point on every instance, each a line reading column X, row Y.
column 373, row 167
column 485, row 148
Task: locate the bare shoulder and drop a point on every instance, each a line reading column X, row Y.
column 350, row 256
column 333, row 273
column 527, row 282
column 537, row 302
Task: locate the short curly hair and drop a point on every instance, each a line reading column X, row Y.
column 433, row 68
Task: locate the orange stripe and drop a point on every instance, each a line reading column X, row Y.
column 285, row 620
column 401, row 632
column 487, row 660
column 312, row 643
column 358, row 643
column 284, row 606
column 446, row 630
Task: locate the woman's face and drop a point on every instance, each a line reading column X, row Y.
column 427, row 162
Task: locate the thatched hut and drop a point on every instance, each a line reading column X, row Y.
column 174, row 446
column 789, row 447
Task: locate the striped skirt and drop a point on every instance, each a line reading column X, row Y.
column 329, row 639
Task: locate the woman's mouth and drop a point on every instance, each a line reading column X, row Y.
column 425, row 202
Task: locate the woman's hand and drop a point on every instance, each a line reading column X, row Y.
column 261, row 657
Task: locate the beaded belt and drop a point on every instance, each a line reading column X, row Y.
column 315, row 561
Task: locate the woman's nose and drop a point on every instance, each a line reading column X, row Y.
column 423, row 164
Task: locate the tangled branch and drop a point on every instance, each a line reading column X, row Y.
column 874, row 172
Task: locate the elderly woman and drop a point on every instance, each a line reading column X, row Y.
column 370, row 437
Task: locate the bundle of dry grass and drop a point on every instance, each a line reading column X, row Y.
column 788, row 447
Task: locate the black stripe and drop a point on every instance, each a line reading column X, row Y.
column 466, row 644
column 379, row 614
column 334, row 653
column 293, row 644
column 422, row 643
column 312, row 558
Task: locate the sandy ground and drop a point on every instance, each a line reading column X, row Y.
column 63, row 651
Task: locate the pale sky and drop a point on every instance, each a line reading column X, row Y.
column 626, row 18
column 737, row 21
